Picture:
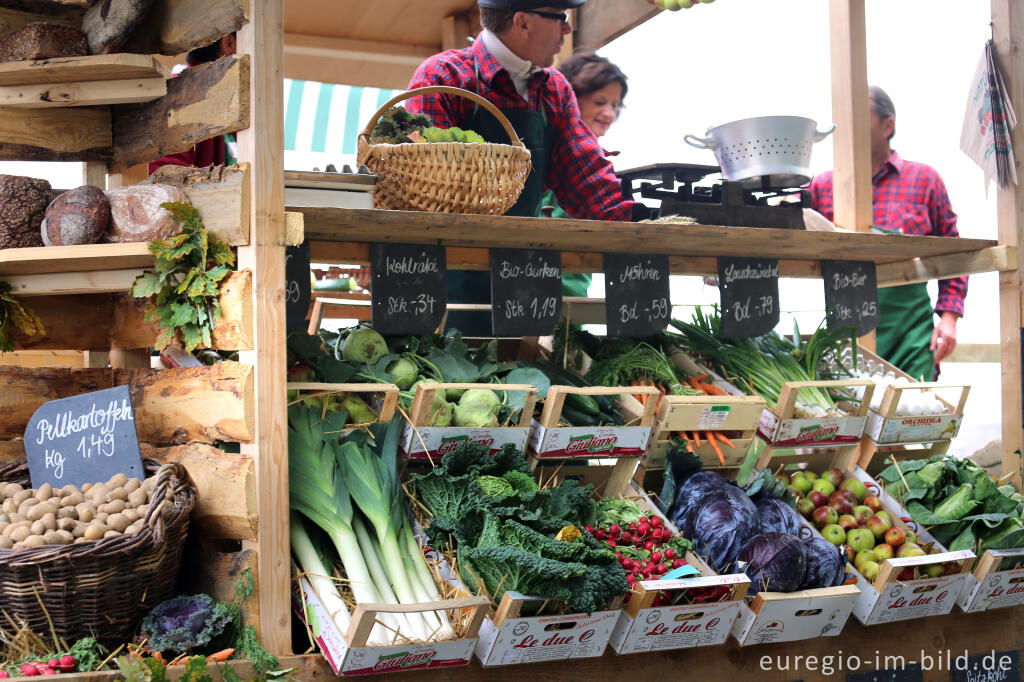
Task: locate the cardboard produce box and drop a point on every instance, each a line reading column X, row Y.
column 988, row 587
column 779, row 427
column 548, row 440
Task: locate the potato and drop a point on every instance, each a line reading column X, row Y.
column 26, row 503
column 98, row 493
column 72, row 500
column 79, row 530
column 115, row 506
column 116, row 481
column 5, row 542
column 133, row 529
column 8, row 506
column 38, row 511
column 69, row 489
column 3, row 527
column 50, row 521
column 111, row 534
column 4, row 518
column 118, row 522
column 33, row 541
column 21, row 496
column 149, row 484
column 18, row 518
column 132, row 484
column 20, row 533
column 66, row 524
column 86, row 487
column 138, row 498
column 52, row 537
column 142, row 509
column 132, row 515
column 38, row 527
column 44, row 492
column 86, row 512
column 95, row 531
column 66, row 536
column 67, row 513
column 101, row 517
column 117, row 494
column 11, row 489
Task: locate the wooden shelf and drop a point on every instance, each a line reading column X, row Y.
column 102, row 67
column 341, row 235
column 47, row 260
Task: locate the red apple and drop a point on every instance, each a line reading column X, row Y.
column 834, row 476
column 895, row 537
column 848, row 522
column 873, row 503
column 819, row 499
column 906, row 574
column 805, row 507
column 862, row 513
column 840, row 504
column 878, row 526
column 824, row 516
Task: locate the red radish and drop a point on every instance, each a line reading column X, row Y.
column 643, row 529
column 632, row 527
column 661, row 569
column 656, row 557
column 614, row 529
column 637, row 568
column 656, row 535
column 670, row 553
column 49, row 671
column 618, row 555
column 589, row 529
column 28, row 670
column 656, row 521
column 53, row 663
column 68, row 663
column 610, row 543
column 638, row 541
column 4, row 674
column 626, row 537
column 677, row 563
column 649, row 545
column 627, row 563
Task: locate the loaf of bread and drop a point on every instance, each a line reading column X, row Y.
column 23, row 204
column 136, row 214
column 108, row 24
column 78, row 216
column 43, row 40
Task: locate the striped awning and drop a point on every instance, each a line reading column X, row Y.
column 324, row 118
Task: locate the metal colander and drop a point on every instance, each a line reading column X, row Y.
column 775, row 146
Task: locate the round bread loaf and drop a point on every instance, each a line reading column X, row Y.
column 78, row 216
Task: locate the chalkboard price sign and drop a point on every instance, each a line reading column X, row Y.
column 749, row 288
column 636, row 294
column 83, row 439
column 297, row 286
column 851, row 295
column 991, row 665
column 526, row 291
column 408, row 287
column 911, row 672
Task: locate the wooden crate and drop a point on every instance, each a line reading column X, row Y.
column 779, row 427
column 988, row 587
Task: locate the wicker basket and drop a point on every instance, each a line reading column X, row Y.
column 102, row 588
column 446, row 177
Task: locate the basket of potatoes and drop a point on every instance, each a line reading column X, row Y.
column 91, row 560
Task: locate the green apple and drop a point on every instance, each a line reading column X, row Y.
column 859, row 490
column 884, row 551
column 877, row 525
column 834, row 533
column 908, row 550
column 862, row 556
column 811, row 476
column 800, row 481
column 887, row 516
column 869, row 569
column 824, row 487
column 911, row 536
column 934, row 570
column 860, row 539
column 862, row 513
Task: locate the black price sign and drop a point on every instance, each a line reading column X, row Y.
column 908, row 673
column 636, row 294
column 83, row 439
column 851, row 295
column 296, row 286
column 526, row 291
column 749, row 288
column 408, row 287
column 993, row 665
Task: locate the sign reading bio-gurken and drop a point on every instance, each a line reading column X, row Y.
column 526, row 291
column 83, row 439
column 636, row 290
column 851, row 295
column 749, row 288
column 408, row 288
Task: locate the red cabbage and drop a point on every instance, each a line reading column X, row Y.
column 775, row 562
column 826, row 564
column 776, row 516
column 698, row 489
column 721, row 525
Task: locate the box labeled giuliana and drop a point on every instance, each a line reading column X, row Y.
column 589, row 441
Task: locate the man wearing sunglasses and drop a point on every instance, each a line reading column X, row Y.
column 509, row 64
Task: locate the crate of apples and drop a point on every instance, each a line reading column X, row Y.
column 848, row 516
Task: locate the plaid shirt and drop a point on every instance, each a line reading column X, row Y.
column 578, row 172
column 910, row 198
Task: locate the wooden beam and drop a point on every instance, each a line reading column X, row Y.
column 173, row 27
column 72, row 323
column 90, row 282
column 81, row 134
column 205, row 404
column 262, row 146
column 42, row 358
column 202, row 102
column 454, row 31
column 354, row 62
column 93, row 93
column 993, row 259
column 1008, row 32
column 601, row 21
column 221, row 194
column 90, row 68
column 595, row 236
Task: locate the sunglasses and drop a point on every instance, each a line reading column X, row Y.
column 563, row 17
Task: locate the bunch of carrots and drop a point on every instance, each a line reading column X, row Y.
column 699, row 385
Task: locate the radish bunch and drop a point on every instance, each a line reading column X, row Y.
column 64, row 664
column 646, row 548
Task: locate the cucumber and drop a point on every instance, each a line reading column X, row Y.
column 583, row 403
column 560, row 376
column 576, row 418
column 610, row 419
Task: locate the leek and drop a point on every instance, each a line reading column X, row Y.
column 318, row 574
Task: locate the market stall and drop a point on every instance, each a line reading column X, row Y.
column 224, row 431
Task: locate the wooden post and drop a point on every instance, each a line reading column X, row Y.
column 851, row 142
column 454, row 31
column 262, row 145
column 94, row 173
column 1008, row 24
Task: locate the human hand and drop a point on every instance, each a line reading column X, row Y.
column 944, row 337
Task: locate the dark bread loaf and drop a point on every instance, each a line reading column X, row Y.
column 78, row 216
column 23, row 204
column 43, row 40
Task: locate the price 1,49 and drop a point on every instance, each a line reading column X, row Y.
column 100, row 445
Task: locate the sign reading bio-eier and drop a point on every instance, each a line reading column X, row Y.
column 636, row 290
column 526, row 291
column 749, row 288
column 83, row 439
column 851, row 295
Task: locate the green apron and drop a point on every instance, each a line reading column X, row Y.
column 573, row 283
column 467, row 286
column 905, row 329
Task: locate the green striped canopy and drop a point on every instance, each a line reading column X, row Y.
column 324, row 118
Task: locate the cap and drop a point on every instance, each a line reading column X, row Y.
column 521, row 5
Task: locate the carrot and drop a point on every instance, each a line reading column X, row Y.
column 711, row 389
column 220, row 656
column 692, row 383
column 702, row 377
column 696, row 439
column 726, row 441
column 686, row 440
column 639, row 396
column 710, row 435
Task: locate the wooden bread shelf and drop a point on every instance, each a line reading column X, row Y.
column 101, row 67
column 45, row 260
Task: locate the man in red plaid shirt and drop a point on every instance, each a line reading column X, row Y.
column 509, row 64
column 909, row 198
